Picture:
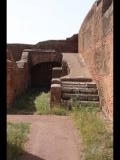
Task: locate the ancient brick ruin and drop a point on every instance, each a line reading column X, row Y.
column 79, row 68
column 96, row 46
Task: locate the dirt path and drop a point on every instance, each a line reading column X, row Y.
column 75, row 61
column 51, row 138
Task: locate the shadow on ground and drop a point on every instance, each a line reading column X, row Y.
column 15, row 152
column 25, row 104
column 29, row 156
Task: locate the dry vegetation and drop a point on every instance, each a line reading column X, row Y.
column 97, row 140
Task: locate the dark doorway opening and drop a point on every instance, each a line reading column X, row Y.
column 41, row 75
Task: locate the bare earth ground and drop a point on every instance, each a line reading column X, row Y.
column 51, row 137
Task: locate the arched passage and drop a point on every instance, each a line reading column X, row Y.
column 41, row 75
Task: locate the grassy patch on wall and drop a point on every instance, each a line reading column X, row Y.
column 16, row 138
column 97, row 140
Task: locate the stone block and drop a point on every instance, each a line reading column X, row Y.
column 56, row 72
column 55, row 95
column 56, row 81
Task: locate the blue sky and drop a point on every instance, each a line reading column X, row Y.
column 31, row 21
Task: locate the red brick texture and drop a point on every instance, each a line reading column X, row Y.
column 17, row 78
column 95, row 43
column 17, row 49
column 10, row 84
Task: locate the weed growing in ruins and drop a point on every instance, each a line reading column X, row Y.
column 97, row 140
column 35, row 102
column 42, row 103
column 16, row 138
column 57, row 110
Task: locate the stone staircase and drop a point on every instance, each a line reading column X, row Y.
column 80, row 91
column 75, row 88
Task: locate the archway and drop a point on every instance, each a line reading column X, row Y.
column 41, row 75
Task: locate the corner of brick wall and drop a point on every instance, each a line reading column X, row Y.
column 10, row 83
column 95, row 43
column 17, row 79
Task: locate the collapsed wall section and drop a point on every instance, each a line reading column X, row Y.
column 17, row 49
column 66, row 45
column 34, row 69
column 95, row 43
column 17, row 78
column 10, row 83
column 60, row 46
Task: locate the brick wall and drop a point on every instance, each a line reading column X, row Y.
column 17, row 49
column 19, row 72
column 17, row 78
column 95, row 43
column 10, row 84
column 67, row 45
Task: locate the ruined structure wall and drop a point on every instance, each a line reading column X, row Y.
column 17, row 49
column 95, row 43
column 10, row 83
column 19, row 72
column 20, row 80
column 43, row 57
column 68, row 45
column 17, row 78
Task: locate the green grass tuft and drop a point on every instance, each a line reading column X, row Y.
column 35, row 102
column 16, row 138
column 98, row 143
column 57, row 110
column 42, row 103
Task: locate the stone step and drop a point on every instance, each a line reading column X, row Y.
column 79, row 84
column 77, row 79
column 83, row 97
column 79, row 90
column 73, row 82
column 55, row 81
column 69, row 103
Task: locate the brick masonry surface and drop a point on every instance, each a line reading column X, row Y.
column 96, row 45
